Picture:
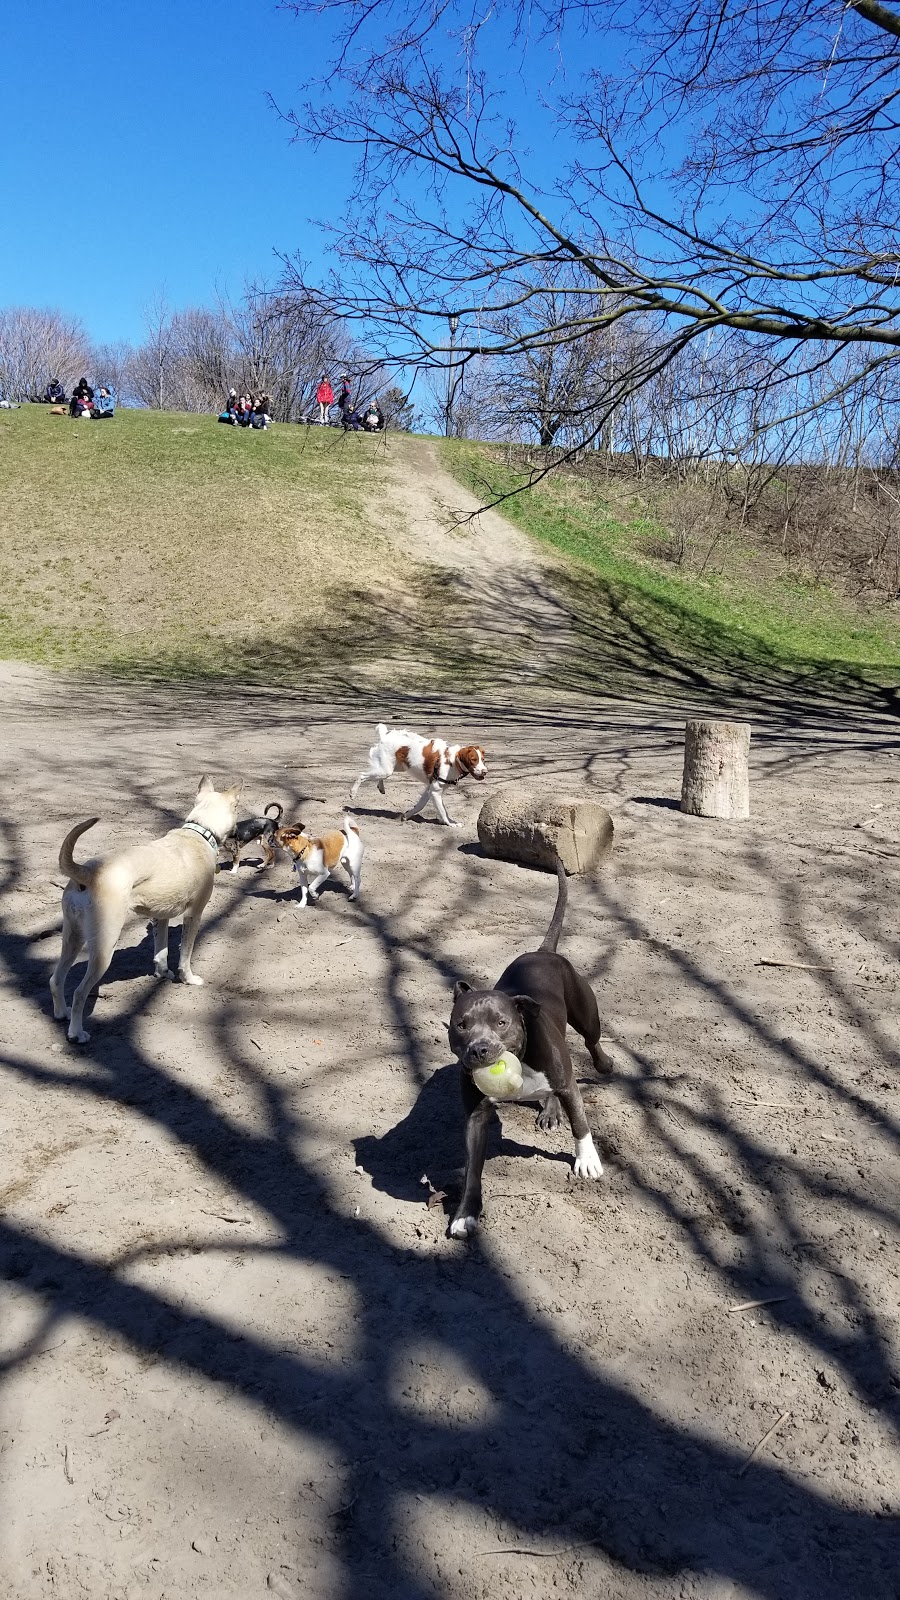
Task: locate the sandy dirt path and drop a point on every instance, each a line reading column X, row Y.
column 239, row 1355
column 504, row 603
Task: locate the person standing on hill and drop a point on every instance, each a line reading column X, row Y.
column 344, row 399
column 325, row 397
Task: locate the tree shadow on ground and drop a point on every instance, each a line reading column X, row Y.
column 566, row 1452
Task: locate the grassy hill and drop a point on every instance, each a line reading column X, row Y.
column 166, row 546
column 169, row 546
column 749, row 619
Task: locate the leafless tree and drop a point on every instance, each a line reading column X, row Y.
column 273, row 342
column 111, row 365
column 37, row 345
column 775, row 218
column 153, row 368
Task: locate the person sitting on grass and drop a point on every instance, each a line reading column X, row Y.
column 104, row 407
column 259, row 417
column 54, row 394
column 229, row 409
column 373, row 421
column 82, row 399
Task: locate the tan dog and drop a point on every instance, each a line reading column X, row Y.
column 315, row 860
column 169, row 878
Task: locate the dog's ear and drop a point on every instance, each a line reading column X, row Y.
column 205, row 784
column 235, row 790
column 461, row 988
column 529, row 1008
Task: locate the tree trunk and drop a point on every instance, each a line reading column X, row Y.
column 716, row 780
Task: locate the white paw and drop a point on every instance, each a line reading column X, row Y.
column 161, row 969
column 79, row 1038
column 587, row 1161
column 191, row 978
column 235, row 867
column 463, row 1227
column 452, row 824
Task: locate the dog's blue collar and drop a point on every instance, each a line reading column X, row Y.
column 205, row 833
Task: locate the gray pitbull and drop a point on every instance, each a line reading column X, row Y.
column 526, row 1013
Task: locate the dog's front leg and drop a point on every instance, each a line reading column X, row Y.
column 161, row 947
column 550, row 1115
column 587, row 1161
column 316, row 885
column 479, row 1113
column 420, row 804
column 189, row 930
column 441, row 809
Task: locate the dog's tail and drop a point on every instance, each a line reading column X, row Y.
column 274, row 806
column 381, row 732
column 350, row 825
column 551, row 937
column 83, row 876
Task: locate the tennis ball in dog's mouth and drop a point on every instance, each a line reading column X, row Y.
column 502, row 1080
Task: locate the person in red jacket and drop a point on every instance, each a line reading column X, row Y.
column 325, row 397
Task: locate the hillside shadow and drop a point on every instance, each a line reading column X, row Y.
column 566, row 1452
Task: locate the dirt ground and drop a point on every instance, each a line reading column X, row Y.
column 239, row 1354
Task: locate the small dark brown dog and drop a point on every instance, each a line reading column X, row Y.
column 261, row 828
column 526, row 1014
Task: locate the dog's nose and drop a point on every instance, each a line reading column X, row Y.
column 480, row 1052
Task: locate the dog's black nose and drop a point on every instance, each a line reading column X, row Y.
column 480, row 1052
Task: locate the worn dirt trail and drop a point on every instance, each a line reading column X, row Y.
column 239, row 1354
column 501, row 586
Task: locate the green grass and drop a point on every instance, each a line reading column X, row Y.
column 637, row 613
column 168, row 546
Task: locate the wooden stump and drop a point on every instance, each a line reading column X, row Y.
column 716, row 780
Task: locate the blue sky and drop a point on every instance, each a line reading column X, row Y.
column 139, row 150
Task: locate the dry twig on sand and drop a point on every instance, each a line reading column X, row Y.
column 762, row 1443
column 751, row 1305
column 799, row 966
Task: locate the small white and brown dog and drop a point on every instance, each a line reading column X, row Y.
column 162, row 880
column 316, row 860
column 438, row 763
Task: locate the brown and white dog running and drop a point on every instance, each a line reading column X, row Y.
column 162, row 880
column 315, row 860
column 438, row 763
